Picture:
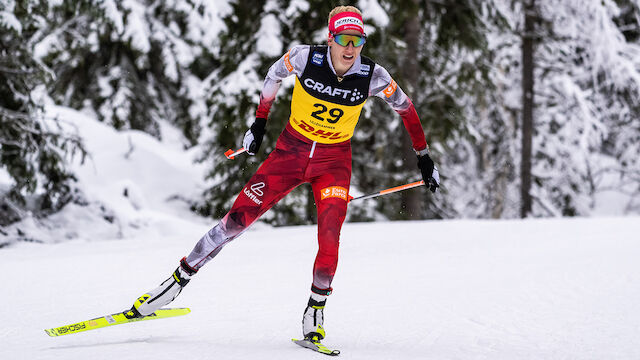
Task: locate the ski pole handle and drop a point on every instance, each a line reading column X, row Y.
column 388, row 191
column 230, row 154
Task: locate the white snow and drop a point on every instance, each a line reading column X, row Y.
column 137, row 30
column 5, row 178
column 114, row 15
column 374, row 12
column 7, row 18
column 268, row 40
column 537, row 289
column 296, row 6
column 206, row 23
column 151, row 171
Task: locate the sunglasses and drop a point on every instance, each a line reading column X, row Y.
column 344, row 40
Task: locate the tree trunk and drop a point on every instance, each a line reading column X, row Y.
column 411, row 200
column 527, row 106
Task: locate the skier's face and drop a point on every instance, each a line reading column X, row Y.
column 343, row 57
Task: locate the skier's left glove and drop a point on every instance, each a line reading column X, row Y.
column 253, row 136
column 429, row 171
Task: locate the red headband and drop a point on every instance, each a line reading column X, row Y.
column 346, row 21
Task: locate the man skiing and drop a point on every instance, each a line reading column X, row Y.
column 332, row 84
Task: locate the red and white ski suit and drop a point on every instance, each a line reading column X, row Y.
column 313, row 148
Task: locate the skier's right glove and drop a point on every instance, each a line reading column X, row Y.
column 253, row 136
column 429, row 171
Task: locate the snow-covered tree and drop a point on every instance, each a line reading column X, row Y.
column 451, row 44
column 132, row 62
column 585, row 118
column 33, row 150
column 482, row 154
column 588, row 125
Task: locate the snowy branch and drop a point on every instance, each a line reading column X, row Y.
column 16, row 71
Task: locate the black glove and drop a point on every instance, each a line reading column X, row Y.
column 430, row 173
column 253, row 136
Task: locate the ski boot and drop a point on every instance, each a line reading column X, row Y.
column 153, row 300
column 313, row 318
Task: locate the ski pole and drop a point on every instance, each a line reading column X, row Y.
column 388, row 191
column 230, row 154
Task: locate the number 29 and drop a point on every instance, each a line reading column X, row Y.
column 335, row 113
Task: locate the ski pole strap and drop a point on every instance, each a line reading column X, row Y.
column 389, row 191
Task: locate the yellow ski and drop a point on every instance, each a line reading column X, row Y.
column 114, row 319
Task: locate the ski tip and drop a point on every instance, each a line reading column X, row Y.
column 171, row 312
column 50, row 332
column 184, row 310
column 179, row 310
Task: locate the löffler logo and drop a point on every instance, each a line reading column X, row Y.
column 256, row 190
column 334, row 191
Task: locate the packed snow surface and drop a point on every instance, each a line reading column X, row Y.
column 535, row 289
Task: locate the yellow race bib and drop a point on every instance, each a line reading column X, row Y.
column 322, row 121
column 324, row 109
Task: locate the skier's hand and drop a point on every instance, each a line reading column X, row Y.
column 429, row 172
column 253, row 136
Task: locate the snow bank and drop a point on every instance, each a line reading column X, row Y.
column 130, row 181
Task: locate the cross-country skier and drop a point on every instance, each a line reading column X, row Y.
column 332, row 84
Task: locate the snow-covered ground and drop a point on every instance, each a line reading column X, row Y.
column 537, row 289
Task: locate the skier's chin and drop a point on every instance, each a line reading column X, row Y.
column 347, row 62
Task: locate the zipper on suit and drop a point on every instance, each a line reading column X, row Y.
column 313, row 149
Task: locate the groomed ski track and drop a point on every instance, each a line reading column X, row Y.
column 536, row 289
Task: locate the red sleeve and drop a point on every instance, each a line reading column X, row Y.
column 263, row 108
column 412, row 123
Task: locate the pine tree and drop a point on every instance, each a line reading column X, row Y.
column 451, row 43
column 130, row 61
column 589, row 128
column 584, row 115
column 33, row 149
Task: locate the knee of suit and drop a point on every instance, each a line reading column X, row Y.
column 330, row 219
column 329, row 237
column 234, row 223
